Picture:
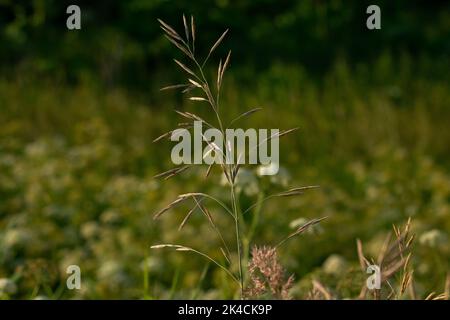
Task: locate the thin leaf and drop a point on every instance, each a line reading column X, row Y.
column 183, row 248
column 186, row 30
column 193, row 33
column 245, row 114
column 319, row 287
column 225, row 65
column 218, row 41
column 175, row 86
column 179, row 46
column 208, row 171
column 189, row 88
column 172, row 172
column 193, row 116
column 163, row 136
column 165, row 173
column 215, row 45
column 208, row 215
column 287, row 132
column 193, row 194
column 300, row 230
column 430, row 296
column 185, row 68
column 197, row 99
column 218, row 73
column 169, row 28
column 171, row 35
column 195, row 83
column 290, row 192
column 363, row 262
column 225, row 255
column 188, row 215
column 168, row 207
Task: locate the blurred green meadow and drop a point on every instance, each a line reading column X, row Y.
column 77, row 159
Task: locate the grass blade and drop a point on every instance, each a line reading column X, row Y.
column 216, row 44
column 186, row 30
column 245, row 114
column 183, row 248
column 300, row 230
column 185, row 68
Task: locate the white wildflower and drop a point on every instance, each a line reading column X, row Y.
column 433, row 238
column 335, row 264
column 7, row 286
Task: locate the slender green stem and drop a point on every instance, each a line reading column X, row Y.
column 215, row 106
column 238, row 239
column 223, row 205
column 184, row 248
column 213, row 225
column 255, row 219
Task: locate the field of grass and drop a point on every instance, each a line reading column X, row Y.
column 77, row 165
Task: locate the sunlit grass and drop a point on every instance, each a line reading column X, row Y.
column 76, row 168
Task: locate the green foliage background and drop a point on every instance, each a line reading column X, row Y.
column 79, row 109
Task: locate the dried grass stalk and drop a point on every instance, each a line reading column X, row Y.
column 267, row 276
